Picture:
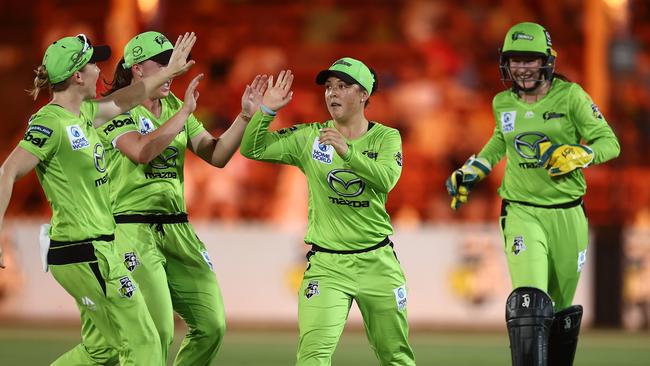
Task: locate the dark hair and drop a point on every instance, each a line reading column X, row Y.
column 375, row 86
column 121, row 77
column 42, row 80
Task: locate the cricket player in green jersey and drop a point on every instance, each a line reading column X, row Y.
column 61, row 143
column 351, row 164
column 154, row 238
column 549, row 129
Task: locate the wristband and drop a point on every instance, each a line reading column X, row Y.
column 268, row 110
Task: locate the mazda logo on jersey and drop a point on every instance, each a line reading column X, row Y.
column 98, row 154
column 345, row 183
column 167, row 159
column 527, row 144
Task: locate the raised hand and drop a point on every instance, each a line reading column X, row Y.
column 253, row 95
column 332, row 136
column 191, row 94
column 279, row 94
column 178, row 63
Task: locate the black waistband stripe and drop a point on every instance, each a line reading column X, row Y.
column 151, row 219
column 383, row 243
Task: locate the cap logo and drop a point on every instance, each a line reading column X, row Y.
column 548, row 38
column 521, row 35
column 161, row 40
column 137, row 51
column 342, row 62
column 76, row 59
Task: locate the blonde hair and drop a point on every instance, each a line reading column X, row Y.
column 42, row 80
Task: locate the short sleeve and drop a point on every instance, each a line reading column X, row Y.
column 43, row 137
column 193, row 126
column 118, row 126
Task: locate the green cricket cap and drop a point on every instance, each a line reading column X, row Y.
column 69, row 54
column 351, row 71
column 147, row 46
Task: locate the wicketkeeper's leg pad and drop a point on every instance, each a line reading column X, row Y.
column 563, row 340
column 529, row 315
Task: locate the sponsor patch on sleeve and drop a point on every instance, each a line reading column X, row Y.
column 287, row 130
column 595, row 111
column 41, row 129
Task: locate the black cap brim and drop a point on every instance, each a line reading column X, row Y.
column 162, row 58
column 322, row 77
column 100, row 53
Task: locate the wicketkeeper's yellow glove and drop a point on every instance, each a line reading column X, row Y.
column 563, row 159
column 462, row 180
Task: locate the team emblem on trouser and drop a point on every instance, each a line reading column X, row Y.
column 127, row 287
column 131, row 261
column 312, row 289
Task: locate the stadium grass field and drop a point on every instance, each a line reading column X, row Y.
column 35, row 347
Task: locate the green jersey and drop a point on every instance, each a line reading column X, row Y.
column 566, row 115
column 157, row 187
column 72, row 171
column 347, row 196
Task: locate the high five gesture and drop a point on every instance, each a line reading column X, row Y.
column 279, row 94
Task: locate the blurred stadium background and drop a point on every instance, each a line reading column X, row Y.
column 437, row 67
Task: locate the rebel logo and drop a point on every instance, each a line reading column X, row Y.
column 117, row 123
column 38, row 141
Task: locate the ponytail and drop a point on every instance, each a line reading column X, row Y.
column 42, row 80
column 121, row 77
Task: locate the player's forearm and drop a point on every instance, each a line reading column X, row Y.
column 6, row 188
column 494, row 150
column 229, row 141
column 154, row 143
column 256, row 136
column 605, row 148
column 129, row 97
column 382, row 175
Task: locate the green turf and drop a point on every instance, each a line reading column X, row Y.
column 241, row 348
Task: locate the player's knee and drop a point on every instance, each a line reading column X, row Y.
column 529, row 315
column 563, row 340
column 316, row 346
column 211, row 329
column 568, row 320
column 528, row 303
